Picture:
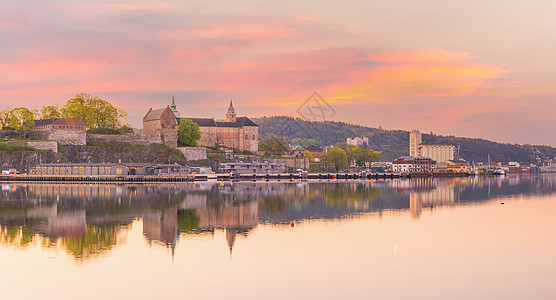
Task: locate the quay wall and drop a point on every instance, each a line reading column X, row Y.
column 291, row 163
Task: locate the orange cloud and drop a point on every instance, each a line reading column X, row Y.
column 349, row 75
column 403, row 81
column 421, row 56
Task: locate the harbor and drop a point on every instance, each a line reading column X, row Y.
column 220, row 177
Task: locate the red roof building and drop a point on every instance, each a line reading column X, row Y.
column 61, row 124
column 413, row 164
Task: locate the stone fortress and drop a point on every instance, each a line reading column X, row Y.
column 160, row 126
column 235, row 132
column 48, row 133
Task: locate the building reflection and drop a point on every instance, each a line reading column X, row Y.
column 432, row 195
column 90, row 220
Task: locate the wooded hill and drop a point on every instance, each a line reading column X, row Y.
column 395, row 143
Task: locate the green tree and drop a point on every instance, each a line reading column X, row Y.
column 125, row 129
column 95, row 112
column 79, row 108
column 188, row 133
column 360, row 155
column 372, row 155
column 338, row 157
column 21, row 119
column 310, row 156
column 5, row 118
column 50, row 112
column 273, row 145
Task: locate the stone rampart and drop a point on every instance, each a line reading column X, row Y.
column 193, row 153
column 39, row 145
column 170, row 137
column 9, row 134
column 64, row 137
column 44, row 145
column 132, row 138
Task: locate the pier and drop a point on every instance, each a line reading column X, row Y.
column 218, row 177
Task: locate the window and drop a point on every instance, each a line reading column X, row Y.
column 253, row 137
column 246, row 137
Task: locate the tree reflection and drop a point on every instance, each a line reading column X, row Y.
column 188, row 220
column 97, row 240
column 90, row 220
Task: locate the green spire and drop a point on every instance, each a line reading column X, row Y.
column 173, row 106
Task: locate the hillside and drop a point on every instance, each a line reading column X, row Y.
column 395, row 143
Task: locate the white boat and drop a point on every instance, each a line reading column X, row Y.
column 498, row 172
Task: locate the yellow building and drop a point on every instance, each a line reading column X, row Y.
column 455, row 166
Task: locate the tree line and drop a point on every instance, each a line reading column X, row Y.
column 340, row 155
column 395, row 143
column 99, row 115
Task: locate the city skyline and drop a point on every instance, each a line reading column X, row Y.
column 473, row 68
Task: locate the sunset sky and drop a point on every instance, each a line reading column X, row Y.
column 466, row 68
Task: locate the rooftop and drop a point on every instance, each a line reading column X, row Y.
column 60, row 121
column 206, row 122
column 246, row 121
column 229, row 124
column 154, row 114
column 313, row 148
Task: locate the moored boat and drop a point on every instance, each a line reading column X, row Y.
column 498, row 172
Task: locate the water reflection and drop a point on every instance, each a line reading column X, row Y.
column 90, row 220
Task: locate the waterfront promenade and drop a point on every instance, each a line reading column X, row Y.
column 218, row 177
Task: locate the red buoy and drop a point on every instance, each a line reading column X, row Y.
column 292, row 224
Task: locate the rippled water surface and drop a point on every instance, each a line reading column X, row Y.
column 462, row 238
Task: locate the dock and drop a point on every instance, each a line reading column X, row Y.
column 217, row 177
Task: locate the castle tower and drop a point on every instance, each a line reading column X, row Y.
column 231, row 114
column 174, row 109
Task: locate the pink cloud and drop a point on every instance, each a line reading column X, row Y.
column 269, row 65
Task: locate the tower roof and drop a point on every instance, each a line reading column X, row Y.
column 173, row 106
column 231, row 109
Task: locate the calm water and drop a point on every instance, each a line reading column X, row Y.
column 400, row 239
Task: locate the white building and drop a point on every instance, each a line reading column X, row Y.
column 435, row 152
column 358, row 141
column 438, row 152
column 413, row 164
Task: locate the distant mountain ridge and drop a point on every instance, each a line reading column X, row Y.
column 395, row 143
